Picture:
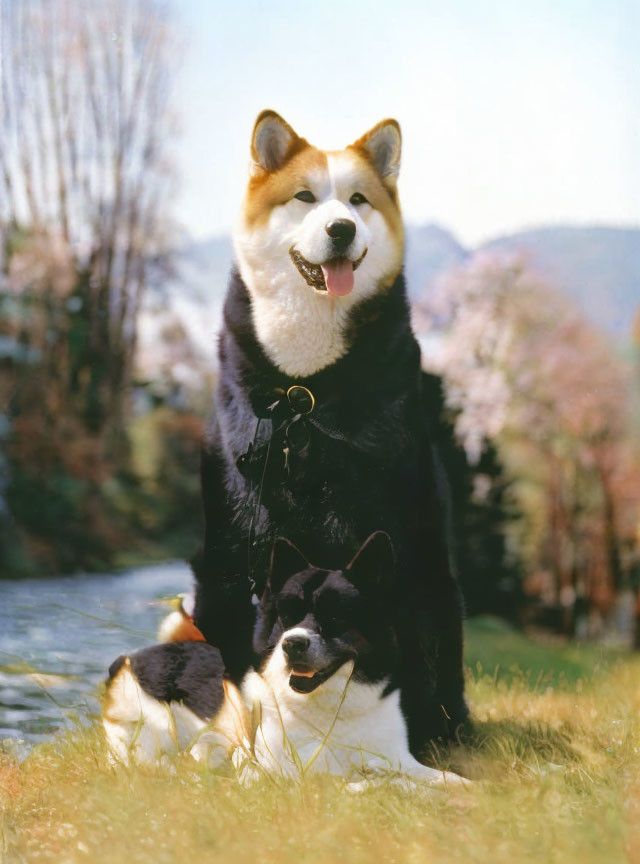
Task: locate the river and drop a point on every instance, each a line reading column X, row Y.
column 59, row 636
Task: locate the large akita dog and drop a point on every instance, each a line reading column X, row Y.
column 322, row 427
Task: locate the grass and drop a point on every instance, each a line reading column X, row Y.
column 555, row 749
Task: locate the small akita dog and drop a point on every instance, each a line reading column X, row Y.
column 325, row 696
column 324, row 429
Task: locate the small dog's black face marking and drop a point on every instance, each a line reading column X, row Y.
column 324, row 614
column 324, row 618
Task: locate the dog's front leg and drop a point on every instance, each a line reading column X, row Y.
column 407, row 773
column 225, row 614
column 432, row 681
column 410, row 767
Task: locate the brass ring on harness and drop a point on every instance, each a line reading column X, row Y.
column 301, row 399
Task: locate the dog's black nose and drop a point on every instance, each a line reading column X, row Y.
column 295, row 646
column 342, row 232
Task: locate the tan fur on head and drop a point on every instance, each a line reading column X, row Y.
column 269, row 189
column 382, row 145
column 273, row 142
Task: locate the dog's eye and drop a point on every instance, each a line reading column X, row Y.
column 357, row 198
column 334, row 626
column 290, row 610
column 306, row 196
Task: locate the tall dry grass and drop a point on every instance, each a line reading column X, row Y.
column 555, row 754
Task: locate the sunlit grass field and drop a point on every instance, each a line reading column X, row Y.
column 554, row 751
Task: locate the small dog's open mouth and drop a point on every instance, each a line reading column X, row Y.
column 304, row 679
column 334, row 276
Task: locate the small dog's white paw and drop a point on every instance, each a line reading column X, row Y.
column 448, row 778
column 245, row 767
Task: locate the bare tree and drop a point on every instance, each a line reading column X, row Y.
column 85, row 135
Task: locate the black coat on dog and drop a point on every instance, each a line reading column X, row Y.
column 362, row 460
column 186, row 672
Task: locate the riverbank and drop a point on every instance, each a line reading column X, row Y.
column 556, row 742
column 59, row 635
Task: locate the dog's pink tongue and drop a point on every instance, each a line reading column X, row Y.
column 338, row 277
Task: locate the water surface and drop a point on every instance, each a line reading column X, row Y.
column 59, row 636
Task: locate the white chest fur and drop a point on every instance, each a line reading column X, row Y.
column 302, row 331
column 337, row 729
column 344, row 728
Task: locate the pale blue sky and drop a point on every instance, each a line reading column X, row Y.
column 514, row 114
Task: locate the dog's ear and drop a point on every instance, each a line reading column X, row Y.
column 382, row 146
column 273, row 142
column 374, row 562
column 286, row 559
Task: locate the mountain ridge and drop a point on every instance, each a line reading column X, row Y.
column 597, row 265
